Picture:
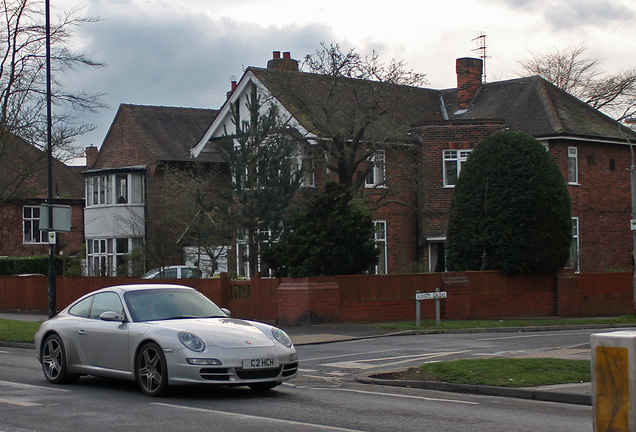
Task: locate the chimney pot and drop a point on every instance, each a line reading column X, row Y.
column 285, row 63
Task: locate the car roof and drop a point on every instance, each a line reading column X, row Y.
column 140, row 287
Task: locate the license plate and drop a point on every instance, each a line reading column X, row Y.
column 260, row 363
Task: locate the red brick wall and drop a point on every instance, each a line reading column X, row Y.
column 471, row 295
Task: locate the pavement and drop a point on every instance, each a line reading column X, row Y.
column 576, row 393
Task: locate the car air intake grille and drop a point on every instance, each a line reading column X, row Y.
column 290, row 369
column 249, row 374
column 215, row 374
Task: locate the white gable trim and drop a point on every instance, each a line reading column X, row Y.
column 224, row 118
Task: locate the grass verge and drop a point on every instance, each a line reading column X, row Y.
column 18, row 331
column 507, row 372
column 431, row 324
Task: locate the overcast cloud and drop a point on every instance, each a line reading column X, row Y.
column 183, row 52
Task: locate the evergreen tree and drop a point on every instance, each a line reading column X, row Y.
column 265, row 175
column 331, row 235
column 510, row 210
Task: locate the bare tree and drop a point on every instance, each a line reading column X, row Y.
column 183, row 211
column 568, row 69
column 353, row 110
column 23, row 80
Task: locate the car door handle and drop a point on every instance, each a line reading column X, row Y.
column 81, row 332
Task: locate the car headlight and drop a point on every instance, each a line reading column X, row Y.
column 191, row 341
column 281, row 337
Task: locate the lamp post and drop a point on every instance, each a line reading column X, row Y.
column 632, row 178
column 52, row 289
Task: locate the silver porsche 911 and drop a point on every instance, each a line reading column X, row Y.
column 162, row 335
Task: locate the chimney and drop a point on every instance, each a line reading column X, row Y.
column 285, row 63
column 91, row 155
column 233, row 85
column 469, row 71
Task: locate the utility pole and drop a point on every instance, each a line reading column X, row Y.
column 52, row 291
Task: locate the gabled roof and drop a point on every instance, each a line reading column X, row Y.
column 144, row 135
column 322, row 104
column 537, row 107
column 24, row 173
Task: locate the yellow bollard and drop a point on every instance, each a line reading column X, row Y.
column 614, row 381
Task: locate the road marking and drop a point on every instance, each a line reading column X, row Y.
column 307, row 370
column 401, row 396
column 5, row 352
column 343, row 355
column 361, row 364
column 30, row 386
column 253, row 417
column 540, row 334
column 18, row 402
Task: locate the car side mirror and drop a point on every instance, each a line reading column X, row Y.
column 112, row 316
column 227, row 312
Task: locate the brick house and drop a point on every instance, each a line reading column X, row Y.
column 140, row 144
column 23, row 188
column 587, row 145
column 422, row 138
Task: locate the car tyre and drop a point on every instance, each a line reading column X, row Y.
column 54, row 362
column 263, row 386
column 151, row 370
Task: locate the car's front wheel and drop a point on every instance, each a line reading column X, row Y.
column 151, row 370
column 54, row 361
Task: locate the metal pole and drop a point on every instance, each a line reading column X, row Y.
column 437, row 313
column 632, row 179
column 417, row 311
column 52, row 290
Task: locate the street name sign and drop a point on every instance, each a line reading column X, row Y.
column 431, row 295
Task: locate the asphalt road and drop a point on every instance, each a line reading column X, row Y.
column 325, row 396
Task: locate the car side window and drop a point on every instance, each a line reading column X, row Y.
column 83, row 308
column 169, row 273
column 190, row 273
column 108, row 301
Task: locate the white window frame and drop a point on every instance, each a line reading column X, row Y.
column 573, row 165
column 103, row 190
column 459, row 157
column 575, row 255
column 305, row 163
column 243, row 253
column 377, row 174
column 380, row 242
column 104, row 255
column 32, row 223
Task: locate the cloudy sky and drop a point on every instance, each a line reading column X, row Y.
column 183, row 52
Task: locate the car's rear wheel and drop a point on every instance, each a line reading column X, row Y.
column 263, row 386
column 54, row 361
column 151, row 370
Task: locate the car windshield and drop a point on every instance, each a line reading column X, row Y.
column 163, row 304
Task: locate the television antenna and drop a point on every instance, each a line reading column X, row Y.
column 481, row 48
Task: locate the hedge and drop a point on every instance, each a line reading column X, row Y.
column 38, row 264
